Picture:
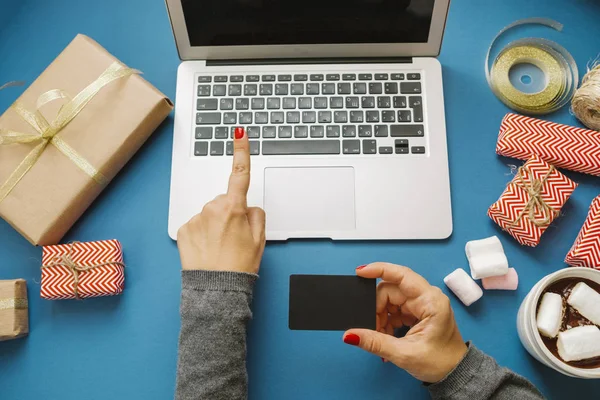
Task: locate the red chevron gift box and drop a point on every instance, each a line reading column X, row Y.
column 563, row 146
column 80, row 270
column 531, row 201
column 586, row 249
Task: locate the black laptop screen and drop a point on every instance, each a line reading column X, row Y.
column 268, row 22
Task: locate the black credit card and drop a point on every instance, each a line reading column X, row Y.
column 331, row 302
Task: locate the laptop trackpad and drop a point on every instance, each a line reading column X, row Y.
column 310, row 199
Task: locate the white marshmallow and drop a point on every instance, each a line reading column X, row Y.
column 486, row 258
column 550, row 314
column 586, row 301
column 463, row 287
column 579, row 343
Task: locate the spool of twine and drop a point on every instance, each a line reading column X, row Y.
column 586, row 101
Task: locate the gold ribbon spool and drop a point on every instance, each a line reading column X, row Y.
column 558, row 66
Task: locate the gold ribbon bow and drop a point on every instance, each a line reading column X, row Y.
column 65, row 260
column 47, row 132
column 536, row 202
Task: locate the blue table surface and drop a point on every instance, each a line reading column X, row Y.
column 125, row 347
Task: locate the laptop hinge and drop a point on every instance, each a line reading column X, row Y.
column 296, row 61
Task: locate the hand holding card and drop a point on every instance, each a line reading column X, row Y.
column 433, row 346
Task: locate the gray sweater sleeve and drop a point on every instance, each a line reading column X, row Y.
column 215, row 311
column 479, row 377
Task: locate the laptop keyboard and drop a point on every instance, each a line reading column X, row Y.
column 311, row 114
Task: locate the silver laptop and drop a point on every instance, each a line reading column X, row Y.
column 342, row 102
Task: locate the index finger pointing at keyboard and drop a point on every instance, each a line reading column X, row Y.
column 239, row 181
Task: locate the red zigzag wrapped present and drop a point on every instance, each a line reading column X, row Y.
column 80, row 270
column 561, row 145
column 586, row 249
column 531, row 201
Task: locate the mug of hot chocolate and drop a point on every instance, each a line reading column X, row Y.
column 559, row 322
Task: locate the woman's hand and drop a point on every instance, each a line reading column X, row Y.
column 433, row 347
column 227, row 235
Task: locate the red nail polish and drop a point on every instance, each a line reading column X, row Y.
column 361, row 267
column 239, row 133
column 382, row 359
column 352, row 339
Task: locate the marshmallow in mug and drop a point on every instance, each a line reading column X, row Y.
column 486, row 258
column 463, row 287
column 550, row 314
column 579, row 343
column 586, row 301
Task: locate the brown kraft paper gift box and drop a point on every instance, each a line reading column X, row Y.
column 14, row 321
column 107, row 132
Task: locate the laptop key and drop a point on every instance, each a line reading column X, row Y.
column 397, row 77
column 332, row 77
column 235, row 90
column 229, row 148
column 352, row 102
column 257, row 103
column 297, row 89
column 273, row 103
column 206, row 104
column 340, row 117
column 367, row 102
column 252, row 78
column 208, row 118
column 268, row 132
column 372, row 116
column 365, row 131
column 284, row 78
column 221, row 78
column 369, row 146
column 328, row 88
column 289, row 103
column 357, row 116
column 261, row 118
column 281, row 89
column 351, row 146
column 384, row 102
column 268, row 78
column 359, row 88
column 254, row 147
column 217, row 148
column 229, row 118
column 312, row 88
column 292, row 117
column 375, row 88
column 300, row 147
column 276, row 117
column 391, row 88
column 266, row 89
column 201, row 148
column 219, row 90
column 410, row 87
column 381, row 131
column 250, row 89
column 242, row 103
column 343, row 88
column 301, row 131
column 320, row 102
column 245, row 118
column 309, row 117
column 418, row 150
column 386, row 150
column 333, row 131
column 416, row 103
column 317, row 131
column 336, row 102
column 404, row 116
column 236, row 78
column 284, row 132
column 399, row 101
column 388, row 116
column 204, row 132
column 349, row 77
column 413, row 77
column 381, row 77
column 349, row 131
column 365, row 77
column 221, row 132
column 203, row 90
column 300, row 77
column 304, row 103
column 253, row 132
column 226, row 104
column 407, row 130
column 324, row 117
column 317, row 77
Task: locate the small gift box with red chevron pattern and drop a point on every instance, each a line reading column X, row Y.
column 586, row 249
column 531, row 201
column 82, row 269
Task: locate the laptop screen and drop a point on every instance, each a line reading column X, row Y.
column 286, row 22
